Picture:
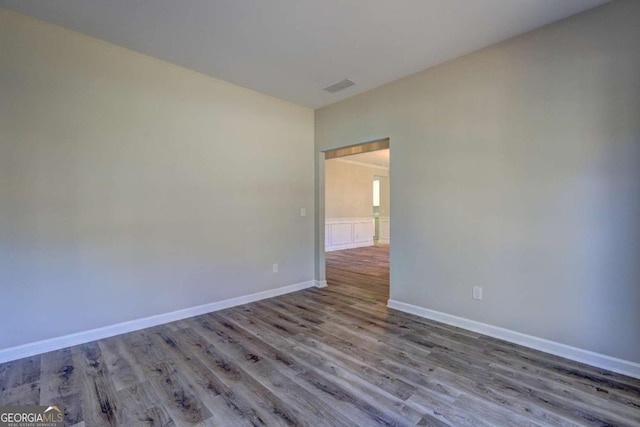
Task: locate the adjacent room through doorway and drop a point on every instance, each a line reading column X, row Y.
column 357, row 218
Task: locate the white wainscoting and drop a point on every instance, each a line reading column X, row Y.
column 384, row 230
column 347, row 233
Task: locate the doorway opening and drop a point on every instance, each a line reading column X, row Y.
column 357, row 219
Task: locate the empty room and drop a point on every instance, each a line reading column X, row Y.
column 175, row 250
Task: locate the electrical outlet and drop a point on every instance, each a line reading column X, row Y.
column 477, row 292
column 275, row 268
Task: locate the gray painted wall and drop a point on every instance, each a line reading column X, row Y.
column 516, row 168
column 130, row 187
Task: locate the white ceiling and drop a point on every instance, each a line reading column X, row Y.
column 292, row 49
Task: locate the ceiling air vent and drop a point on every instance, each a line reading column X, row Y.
column 337, row 87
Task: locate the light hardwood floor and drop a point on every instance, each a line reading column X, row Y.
column 334, row 356
column 363, row 268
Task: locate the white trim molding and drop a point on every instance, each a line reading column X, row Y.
column 384, row 229
column 598, row 360
column 44, row 346
column 321, row 283
column 348, row 233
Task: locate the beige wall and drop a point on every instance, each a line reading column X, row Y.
column 130, row 187
column 516, row 168
column 349, row 189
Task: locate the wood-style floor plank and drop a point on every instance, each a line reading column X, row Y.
column 168, row 378
column 365, row 269
column 122, row 368
column 96, row 392
column 59, row 376
column 140, row 405
column 16, row 374
column 335, row 356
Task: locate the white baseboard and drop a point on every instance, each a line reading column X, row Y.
column 348, row 246
column 598, row 360
column 58, row 343
column 384, row 240
column 321, row 283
